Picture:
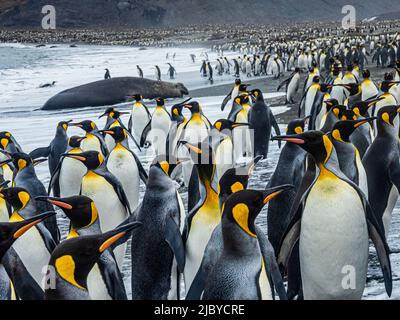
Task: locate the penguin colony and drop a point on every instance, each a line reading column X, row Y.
column 334, row 189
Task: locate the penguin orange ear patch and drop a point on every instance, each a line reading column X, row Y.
column 386, row 118
column 240, row 213
column 65, row 267
column 237, row 186
column 218, row 125
column 298, row 130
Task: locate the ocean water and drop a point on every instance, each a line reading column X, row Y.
column 24, row 67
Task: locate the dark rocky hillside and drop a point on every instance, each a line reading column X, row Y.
column 148, row 13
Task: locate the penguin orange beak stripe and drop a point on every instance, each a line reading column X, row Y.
column 106, row 244
column 35, row 221
column 238, row 124
column 80, row 158
column 271, row 196
column 294, row 140
column 60, row 204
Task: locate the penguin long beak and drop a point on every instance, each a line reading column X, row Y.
column 76, row 124
column 110, row 132
column 4, row 184
column 296, row 139
column 190, row 147
column 363, row 121
column 240, row 124
column 109, row 238
column 24, row 226
column 374, row 101
column 271, row 193
column 38, row 161
column 55, row 201
column 76, row 156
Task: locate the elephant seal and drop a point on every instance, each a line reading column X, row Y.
column 113, row 91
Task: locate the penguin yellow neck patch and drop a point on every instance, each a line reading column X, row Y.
column 65, row 267
column 240, row 213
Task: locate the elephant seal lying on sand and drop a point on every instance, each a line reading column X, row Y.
column 113, row 91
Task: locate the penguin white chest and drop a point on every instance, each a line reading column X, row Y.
column 71, row 174
column 96, row 286
column 91, row 143
column 33, row 253
column 140, row 118
column 122, row 164
column 111, row 211
column 333, row 242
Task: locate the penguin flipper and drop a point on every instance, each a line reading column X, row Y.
column 145, row 133
column 226, row 100
column 394, row 174
column 129, row 134
column 275, row 125
column 130, row 125
column 54, row 179
column 47, row 237
column 119, row 190
column 142, row 172
column 174, row 239
column 40, row 152
column 284, row 83
column 112, row 276
column 271, row 265
column 382, row 250
column 103, row 145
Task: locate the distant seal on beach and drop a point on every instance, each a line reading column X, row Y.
column 113, row 91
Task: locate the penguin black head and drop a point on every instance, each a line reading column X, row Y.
column 257, row 94
column 398, row 64
column 235, row 179
column 297, row 70
column 91, row 159
column 385, row 86
column 74, row 258
column 330, row 103
column 193, row 106
column 243, row 87
column 314, row 142
column 11, row 231
column 238, row 82
column 109, row 112
column 360, row 108
column 325, row 87
column 118, row 133
column 347, row 115
column 160, row 102
column 243, row 99
column 316, row 79
column 296, row 126
column 366, row 74
column 388, row 76
column 224, row 124
column 167, row 163
column 353, row 88
column 21, row 160
column 137, row 97
column 87, row 125
column 81, row 210
column 17, row 197
column 342, row 130
column 243, row 207
column 203, row 157
column 176, row 110
column 386, row 115
column 75, row 141
column 63, row 125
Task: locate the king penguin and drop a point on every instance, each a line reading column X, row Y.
column 125, row 165
column 105, row 279
column 140, row 117
column 261, row 121
column 240, row 272
column 24, row 262
column 348, row 155
column 74, row 258
column 106, row 191
column 156, row 131
column 382, row 166
column 93, row 141
column 69, row 172
column 158, row 247
column 324, row 251
column 25, row 177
